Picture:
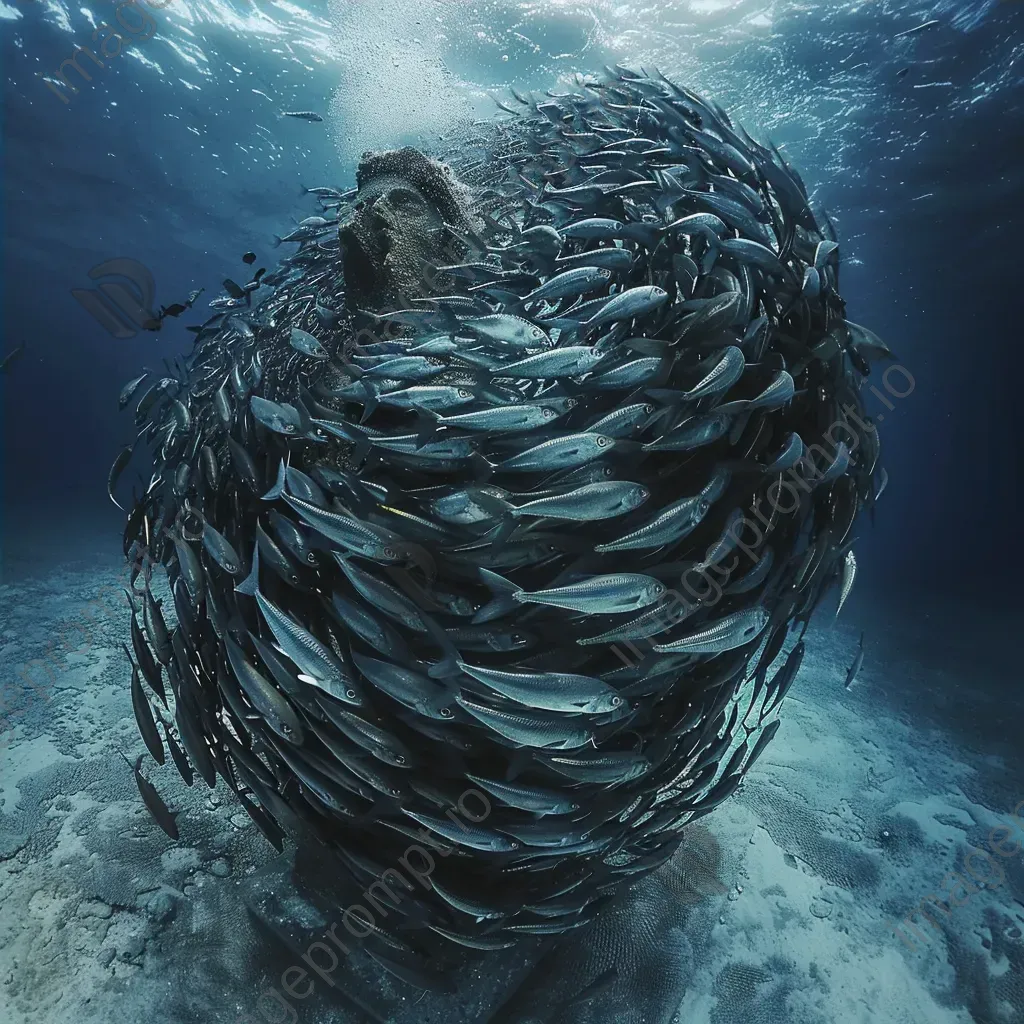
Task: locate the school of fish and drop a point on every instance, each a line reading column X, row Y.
column 526, row 546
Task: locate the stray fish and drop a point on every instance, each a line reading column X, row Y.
column 851, row 672
column 849, row 575
column 305, row 343
column 162, row 815
column 8, row 360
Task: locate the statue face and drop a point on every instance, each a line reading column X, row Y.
column 392, row 242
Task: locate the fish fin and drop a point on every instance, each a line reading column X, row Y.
column 482, row 467
column 371, row 403
column 647, row 346
column 127, row 760
column 427, row 422
column 277, row 490
column 497, row 583
column 355, row 372
column 251, row 584
column 497, row 507
column 361, row 451
column 507, row 528
column 448, row 666
column 504, row 597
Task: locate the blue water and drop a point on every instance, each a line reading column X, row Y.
column 174, row 155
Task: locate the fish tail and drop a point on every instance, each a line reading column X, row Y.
column 371, row 403
column 426, row 426
column 355, row 372
column 450, row 321
column 507, row 528
column 277, row 490
column 493, row 504
column 501, row 509
column 251, row 584
column 127, row 760
column 504, row 106
column 498, row 584
column 361, row 450
column 277, row 240
column 482, row 467
column 505, row 593
column 647, row 346
column 448, row 666
column 517, row 764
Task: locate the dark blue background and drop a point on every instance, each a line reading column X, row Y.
column 187, row 179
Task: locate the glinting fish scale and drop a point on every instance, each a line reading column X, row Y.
column 509, row 529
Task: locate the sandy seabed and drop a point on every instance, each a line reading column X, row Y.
column 864, row 809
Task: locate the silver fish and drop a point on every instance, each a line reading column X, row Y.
column 849, row 575
column 551, row 691
column 721, row 635
column 305, row 343
column 317, row 665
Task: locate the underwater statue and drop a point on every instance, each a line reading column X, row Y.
column 493, row 520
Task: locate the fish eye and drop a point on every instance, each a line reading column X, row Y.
column 286, row 728
column 548, row 412
column 518, row 638
column 351, row 694
column 399, row 759
column 311, row 558
column 616, row 701
column 289, row 428
column 602, row 442
column 703, row 505
column 445, row 712
column 648, row 409
column 390, row 553
column 571, row 403
column 574, row 807
column 293, row 578
column 463, row 393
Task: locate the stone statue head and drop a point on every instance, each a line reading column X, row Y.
column 400, row 229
